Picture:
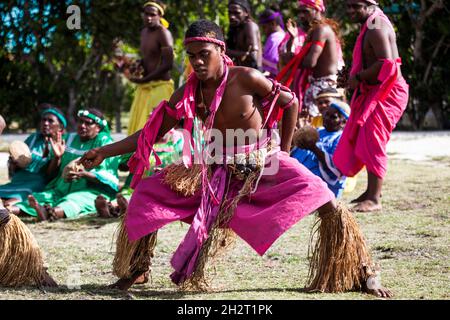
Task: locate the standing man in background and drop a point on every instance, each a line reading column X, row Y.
column 244, row 38
column 379, row 100
column 155, row 84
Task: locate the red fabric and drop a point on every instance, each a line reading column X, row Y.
column 375, row 111
column 293, row 71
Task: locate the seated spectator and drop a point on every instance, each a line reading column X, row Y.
column 317, row 155
column 34, row 176
column 323, row 101
column 72, row 193
column 168, row 149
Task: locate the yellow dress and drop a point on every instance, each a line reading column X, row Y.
column 146, row 98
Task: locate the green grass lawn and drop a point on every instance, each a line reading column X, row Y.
column 409, row 239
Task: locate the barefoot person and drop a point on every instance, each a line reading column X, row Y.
column 157, row 61
column 316, row 66
column 72, row 193
column 244, row 38
column 379, row 100
column 276, row 191
column 317, row 155
column 34, row 176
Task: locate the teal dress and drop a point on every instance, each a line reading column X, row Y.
column 33, row 178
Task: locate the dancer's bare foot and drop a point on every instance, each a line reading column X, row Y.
column 126, row 283
column 101, row 205
column 367, row 206
column 48, row 281
column 41, row 211
column 122, row 203
column 374, row 287
column 143, row 278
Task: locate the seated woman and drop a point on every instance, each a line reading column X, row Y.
column 168, row 149
column 33, row 177
column 317, row 156
column 323, row 101
column 72, row 192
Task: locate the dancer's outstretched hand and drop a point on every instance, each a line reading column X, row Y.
column 92, row 158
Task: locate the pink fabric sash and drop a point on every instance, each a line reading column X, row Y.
column 185, row 257
column 139, row 162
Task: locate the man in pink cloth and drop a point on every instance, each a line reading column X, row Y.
column 316, row 66
column 222, row 97
column 379, row 100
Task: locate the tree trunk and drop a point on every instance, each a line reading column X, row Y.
column 436, row 108
column 71, row 110
column 119, row 99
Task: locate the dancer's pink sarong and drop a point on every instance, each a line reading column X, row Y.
column 280, row 201
column 376, row 109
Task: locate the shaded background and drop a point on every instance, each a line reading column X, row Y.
column 41, row 60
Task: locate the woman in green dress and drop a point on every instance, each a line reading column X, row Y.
column 168, row 149
column 72, row 195
column 34, row 177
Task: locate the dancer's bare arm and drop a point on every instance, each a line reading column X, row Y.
column 319, row 35
column 261, row 86
column 379, row 43
column 94, row 157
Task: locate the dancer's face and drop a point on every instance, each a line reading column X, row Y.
column 205, row 58
column 151, row 17
column 357, row 10
column 306, row 15
column 236, row 15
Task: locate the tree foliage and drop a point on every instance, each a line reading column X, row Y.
column 42, row 60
